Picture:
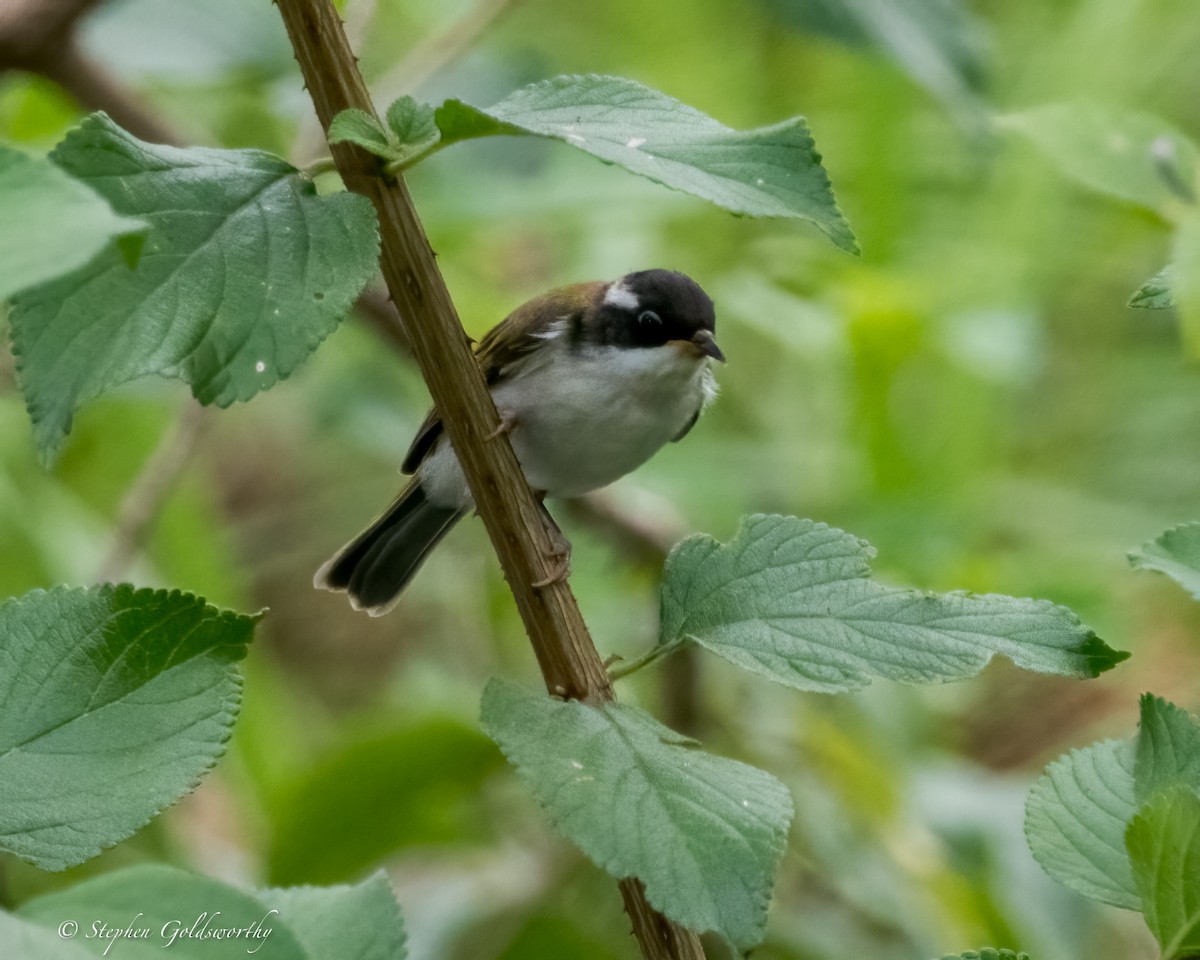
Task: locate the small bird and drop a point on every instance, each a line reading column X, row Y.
column 589, row 381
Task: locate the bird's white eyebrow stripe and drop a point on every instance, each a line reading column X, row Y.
column 619, row 295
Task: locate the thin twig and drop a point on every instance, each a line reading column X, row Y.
column 143, row 502
column 570, row 665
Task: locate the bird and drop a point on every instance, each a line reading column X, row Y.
column 589, row 380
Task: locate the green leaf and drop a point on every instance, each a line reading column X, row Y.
column 245, row 271
column 1075, row 820
column 1175, row 553
column 52, row 223
column 987, row 953
column 769, row 172
column 379, row 792
column 24, row 940
column 1164, row 847
column 412, row 127
column 1185, row 280
column 792, row 600
column 1078, row 811
column 139, row 912
column 1168, row 749
column 1135, row 157
column 1155, row 293
column 362, row 922
column 703, row 834
column 358, row 126
column 938, row 43
column 113, row 704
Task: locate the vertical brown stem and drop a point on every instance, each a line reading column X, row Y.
column 569, row 662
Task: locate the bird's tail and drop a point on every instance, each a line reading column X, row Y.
column 377, row 564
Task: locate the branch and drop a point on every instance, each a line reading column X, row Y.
column 570, row 665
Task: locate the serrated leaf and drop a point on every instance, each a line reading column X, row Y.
column 1155, row 293
column 1117, row 152
column 703, row 834
column 52, row 223
column 412, row 126
column 361, row 922
column 113, row 704
column 1164, row 848
column 245, row 271
column 1175, row 553
column 792, row 600
column 1168, row 749
column 769, row 172
column 358, row 126
column 1075, row 820
column 189, row 916
column 988, row 953
column 1078, row 811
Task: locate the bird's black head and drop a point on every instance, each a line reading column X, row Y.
column 652, row 307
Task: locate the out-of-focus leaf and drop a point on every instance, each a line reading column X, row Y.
column 1185, row 280
column 769, row 172
column 245, row 271
column 113, row 704
column 27, row 940
column 938, row 43
column 1175, row 553
column 181, row 913
column 1155, row 293
column 362, row 922
column 376, row 794
column 703, row 834
column 793, row 601
column 1164, row 848
column 51, row 223
column 552, row 938
column 1114, row 151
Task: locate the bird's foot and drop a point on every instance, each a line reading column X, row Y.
column 508, row 420
column 560, row 552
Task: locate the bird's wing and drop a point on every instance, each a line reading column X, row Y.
column 506, row 344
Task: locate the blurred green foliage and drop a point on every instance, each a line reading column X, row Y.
column 971, row 395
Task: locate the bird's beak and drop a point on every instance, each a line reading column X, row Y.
column 703, row 339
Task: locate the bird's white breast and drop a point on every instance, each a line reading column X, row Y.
column 585, row 417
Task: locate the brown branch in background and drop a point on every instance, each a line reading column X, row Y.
column 515, row 520
column 39, row 36
column 144, row 500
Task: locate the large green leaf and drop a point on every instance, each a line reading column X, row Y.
column 769, row 172
column 52, row 223
column 26, row 940
column 1175, row 553
column 1075, row 821
column 113, row 704
column 244, row 272
column 376, row 793
column 1136, row 157
column 792, row 600
column 1164, row 847
column 1079, row 810
column 140, row 912
column 703, row 834
column 362, row 922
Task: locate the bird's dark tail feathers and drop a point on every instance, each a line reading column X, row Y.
column 377, row 564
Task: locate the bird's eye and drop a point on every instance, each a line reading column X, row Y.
column 649, row 316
